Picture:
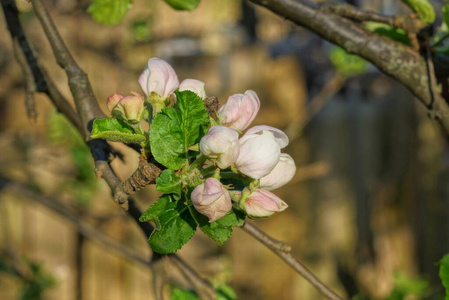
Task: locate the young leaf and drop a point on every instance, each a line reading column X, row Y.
column 444, row 273
column 109, row 12
column 445, row 14
column 423, row 8
column 178, row 294
column 220, row 230
column 346, row 64
column 169, row 183
column 166, row 139
column 174, row 224
column 115, row 130
column 177, row 128
column 225, row 292
column 393, row 33
column 195, row 117
column 183, row 4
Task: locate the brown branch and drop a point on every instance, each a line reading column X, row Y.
column 42, row 81
column 392, row 58
column 70, row 215
column 30, row 87
column 145, row 175
column 88, row 110
column 407, row 23
column 86, row 104
column 282, row 250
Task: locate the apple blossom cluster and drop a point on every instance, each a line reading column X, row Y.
column 254, row 155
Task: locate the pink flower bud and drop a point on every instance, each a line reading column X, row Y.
column 132, row 107
column 240, row 110
column 159, row 78
column 193, row 85
column 258, row 155
column 212, row 199
column 221, row 145
column 280, row 137
column 113, row 100
column 281, row 174
column 261, row 204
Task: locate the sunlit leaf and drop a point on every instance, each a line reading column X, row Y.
column 109, row 12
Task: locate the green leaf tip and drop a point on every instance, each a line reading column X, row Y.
column 188, row 5
column 114, row 130
column 176, row 128
column 109, row 12
column 424, row 9
column 174, row 224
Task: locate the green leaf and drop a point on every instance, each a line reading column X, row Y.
column 169, row 183
column 220, row 230
column 178, row 294
column 444, row 273
column 174, row 224
column 177, row 128
column 109, row 12
column 115, row 130
column 396, row 34
column 445, row 14
column 225, row 292
column 183, row 4
column 346, row 64
column 423, row 8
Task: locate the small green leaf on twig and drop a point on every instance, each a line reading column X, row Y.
column 183, row 4
column 174, row 224
column 346, row 64
column 396, row 34
column 444, row 273
column 220, row 230
column 424, row 9
column 169, row 183
column 109, row 12
column 115, row 130
column 177, row 128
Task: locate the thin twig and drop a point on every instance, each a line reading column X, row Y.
column 86, row 104
column 284, row 253
column 407, row 23
column 145, row 175
column 30, row 87
column 87, row 230
column 392, row 58
column 42, row 81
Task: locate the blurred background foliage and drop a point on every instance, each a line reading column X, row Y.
column 368, row 207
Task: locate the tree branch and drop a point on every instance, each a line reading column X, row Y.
column 68, row 214
column 42, row 81
column 30, row 87
column 283, row 251
column 145, row 175
column 88, row 110
column 392, row 58
column 79, row 84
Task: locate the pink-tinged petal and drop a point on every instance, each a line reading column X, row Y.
column 282, row 173
column 240, row 110
column 113, row 100
column 279, row 135
column 193, row 85
column 132, row 107
column 159, row 78
column 261, row 204
column 211, row 199
column 258, row 154
column 221, row 145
